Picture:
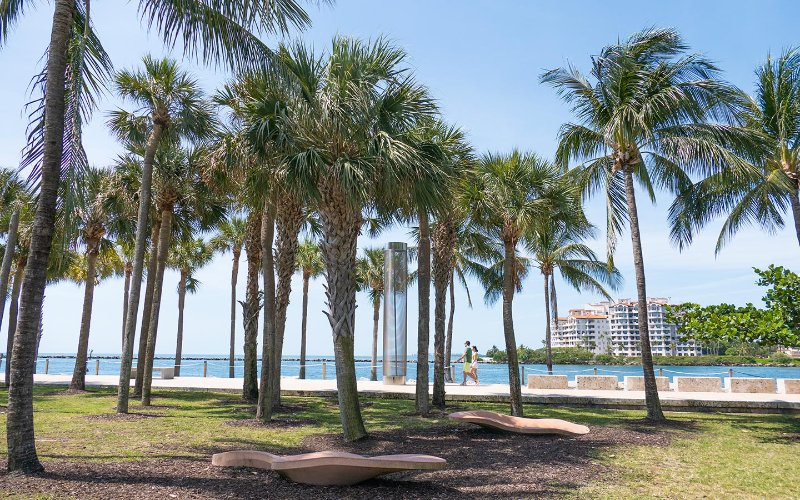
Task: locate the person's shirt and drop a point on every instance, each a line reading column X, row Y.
column 475, row 360
column 468, row 356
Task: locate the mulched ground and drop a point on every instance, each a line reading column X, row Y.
column 482, row 463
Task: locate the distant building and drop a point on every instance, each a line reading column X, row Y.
column 613, row 328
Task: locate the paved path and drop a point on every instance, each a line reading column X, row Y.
column 677, row 401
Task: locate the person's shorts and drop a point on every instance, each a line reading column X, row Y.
column 467, row 367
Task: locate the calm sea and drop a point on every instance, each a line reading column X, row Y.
column 217, row 366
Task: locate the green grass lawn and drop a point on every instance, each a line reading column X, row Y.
column 710, row 455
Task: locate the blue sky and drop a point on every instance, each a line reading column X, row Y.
column 481, row 60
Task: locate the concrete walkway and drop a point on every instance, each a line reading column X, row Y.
column 619, row 399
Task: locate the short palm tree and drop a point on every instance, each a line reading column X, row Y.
column 507, row 195
column 230, row 237
column 101, row 217
column 762, row 192
column 557, row 245
column 350, row 149
column 309, row 263
column 653, row 113
column 170, row 108
column 369, row 275
column 187, row 257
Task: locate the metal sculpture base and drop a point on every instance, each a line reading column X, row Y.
column 394, row 380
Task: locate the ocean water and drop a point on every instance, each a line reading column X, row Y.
column 488, row 373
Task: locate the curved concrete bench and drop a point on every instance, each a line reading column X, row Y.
column 328, row 468
column 520, row 425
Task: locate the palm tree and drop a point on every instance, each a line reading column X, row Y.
column 171, row 107
column 182, row 197
column 759, row 193
column 557, row 245
column 652, row 112
column 507, row 195
column 214, row 33
column 252, row 305
column 309, row 263
column 369, row 276
column 231, row 237
column 187, row 257
column 100, row 218
column 12, row 200
column 349, row 148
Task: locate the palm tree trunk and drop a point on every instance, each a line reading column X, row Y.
column 795, row 202
column 145, row 195
column 304, row 324
column 423, row 323
column 553, row 300
column 13, row 311
column 19, row 423
column 79, row 373
column 181, row 304
column 341, row 223
column 376, row 316
column 8, row 260
column 289, row 220
column 508, row 329
column 652, row 401
column 265, row 402
column 237, row 253
column 548, row 337
column 152, row 265
column 125, row 297
column 448, row 351
column 443, row 245
column 252, row 306
column 165, row 234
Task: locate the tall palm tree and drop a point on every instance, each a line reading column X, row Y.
column 251, row 307
column 187, row 257
column 557, row 245
column 309, row 263
column 231, row 236
column 654, row 113
column 507, row 194
column 214, row 33
column 369, row 275
column 170, row 107
column 760, row 193
column 349, row 149
column 100, row 219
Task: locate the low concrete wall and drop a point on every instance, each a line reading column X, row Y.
column 597, row 382
column 789, row 385
column 637, row 383
column 751, row 385
column 547, row 382
column 698, row 384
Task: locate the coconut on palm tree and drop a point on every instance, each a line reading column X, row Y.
column 508, row 194
column 230, row 237
column 187, row 257
column 649, row 112
column 766, row 188
column 309, row 263
column 369, row 275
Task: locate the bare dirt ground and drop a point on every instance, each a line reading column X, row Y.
column 481, row 463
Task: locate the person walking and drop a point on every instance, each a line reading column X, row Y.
column 474, row 365
column 467, row 358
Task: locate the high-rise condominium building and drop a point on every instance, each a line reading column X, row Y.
column 613, row 328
